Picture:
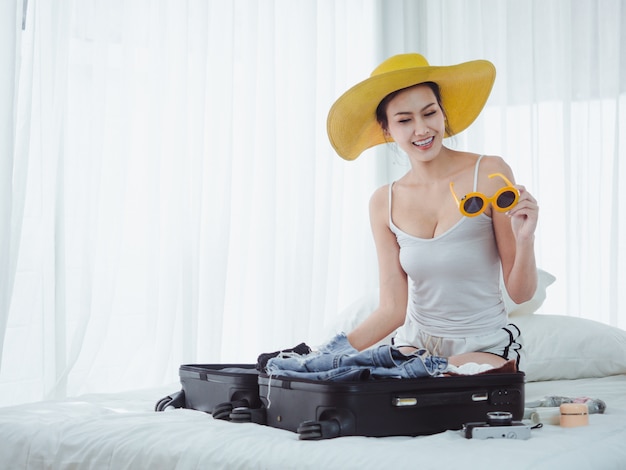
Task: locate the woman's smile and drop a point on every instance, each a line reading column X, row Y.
column 424, row 144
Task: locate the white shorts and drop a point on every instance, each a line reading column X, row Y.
column 503, row 342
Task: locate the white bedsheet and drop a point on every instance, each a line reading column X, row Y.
column 121, row 431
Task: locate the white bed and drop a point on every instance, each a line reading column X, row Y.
column 121, row 431
column 564, row 356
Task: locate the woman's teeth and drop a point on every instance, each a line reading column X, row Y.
column 423, row 143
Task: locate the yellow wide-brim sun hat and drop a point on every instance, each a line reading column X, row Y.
column 352, row 126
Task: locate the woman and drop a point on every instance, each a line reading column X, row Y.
column 440, row 259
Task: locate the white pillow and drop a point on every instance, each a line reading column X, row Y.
column 559, row 347
column 354, row 314
column 544, row 279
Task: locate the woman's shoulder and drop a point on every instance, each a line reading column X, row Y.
column 467, row 161
column 380, row 196
column 494, row 164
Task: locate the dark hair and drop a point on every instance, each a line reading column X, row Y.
column 381, row 110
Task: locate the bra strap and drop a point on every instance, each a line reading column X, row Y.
column 390, row 186
column 476, row 172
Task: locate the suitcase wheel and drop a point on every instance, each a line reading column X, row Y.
column 248, row 415
column 315, row 430
column 223, row 410
column 176, row 400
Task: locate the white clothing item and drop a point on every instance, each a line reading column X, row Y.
column 469, row 368
column 454, row 278
column 503, row 342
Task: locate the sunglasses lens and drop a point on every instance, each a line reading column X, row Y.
column 472, row 205
column 506, row 199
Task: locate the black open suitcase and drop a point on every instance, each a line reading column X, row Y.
column 389, row 407
column 218, row 389
column 323, row 409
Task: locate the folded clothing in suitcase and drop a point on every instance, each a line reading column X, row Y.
column 215, row 389
column 388, row 407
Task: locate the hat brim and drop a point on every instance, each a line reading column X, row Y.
column 352, row 126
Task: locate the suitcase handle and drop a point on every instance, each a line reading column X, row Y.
column 502, row 396
column 439, row 399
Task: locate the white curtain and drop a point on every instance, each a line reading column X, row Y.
column 169, row 194
column 183, row 202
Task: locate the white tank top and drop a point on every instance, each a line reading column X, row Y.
column 453, row 278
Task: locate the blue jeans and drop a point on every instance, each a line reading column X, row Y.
column 337, row 360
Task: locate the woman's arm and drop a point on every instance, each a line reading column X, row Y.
column 515, row 236
column 391, row 311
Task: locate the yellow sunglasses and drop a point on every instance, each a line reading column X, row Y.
column 474, row 204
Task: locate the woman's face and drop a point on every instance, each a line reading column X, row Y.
column 416, row 122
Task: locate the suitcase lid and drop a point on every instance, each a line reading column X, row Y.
column 203, row 371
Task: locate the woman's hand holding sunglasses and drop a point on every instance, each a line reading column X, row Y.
column 515, row 200
column 524, row 215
